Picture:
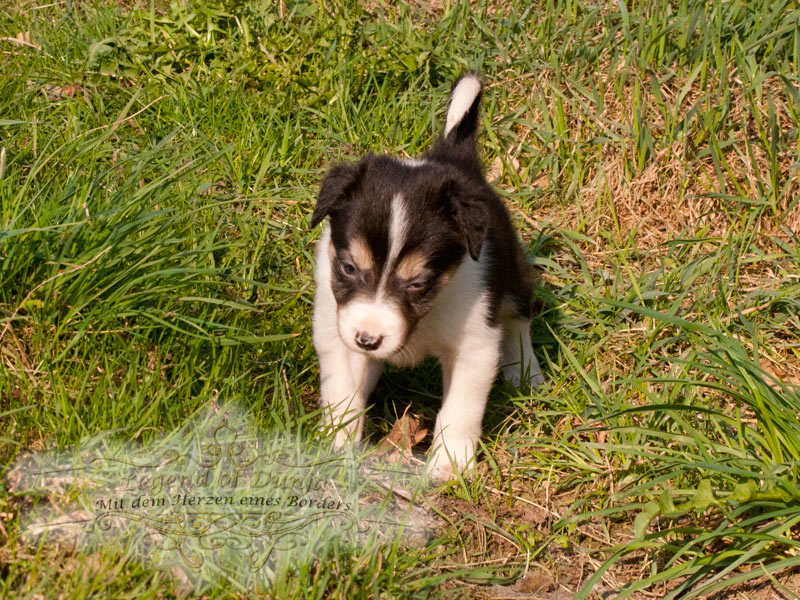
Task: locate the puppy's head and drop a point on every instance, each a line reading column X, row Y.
column 399, row 229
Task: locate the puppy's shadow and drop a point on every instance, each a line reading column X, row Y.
column 419, row 389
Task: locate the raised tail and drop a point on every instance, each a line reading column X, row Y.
column 461, row 125
column 462, row 111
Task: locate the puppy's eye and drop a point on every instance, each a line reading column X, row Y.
column 416, row 286
column 348, row 268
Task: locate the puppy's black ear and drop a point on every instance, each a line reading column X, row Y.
column 470, row 215
column 338, row 184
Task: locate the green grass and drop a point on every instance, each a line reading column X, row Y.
column 158, row 166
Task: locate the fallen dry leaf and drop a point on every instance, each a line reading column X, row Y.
column 405, row 434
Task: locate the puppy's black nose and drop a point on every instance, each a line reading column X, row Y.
column 368, row 341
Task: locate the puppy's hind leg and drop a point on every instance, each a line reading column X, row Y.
column 519, row 363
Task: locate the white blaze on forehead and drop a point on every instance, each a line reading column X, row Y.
column 398, row 226
column 460, row 100
column 378, row 316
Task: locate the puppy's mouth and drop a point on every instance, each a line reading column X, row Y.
column 372, row 328
column 396, row 352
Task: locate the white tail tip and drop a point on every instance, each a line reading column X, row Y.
column 461, row 100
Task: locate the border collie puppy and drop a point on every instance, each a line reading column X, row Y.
column 420, row 258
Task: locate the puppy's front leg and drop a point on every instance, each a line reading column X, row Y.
column 468, row 379
column 347, row 380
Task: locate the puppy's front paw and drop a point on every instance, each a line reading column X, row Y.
column 441, row 472
column 342, row 438
column 349, row 433
column 458, row 454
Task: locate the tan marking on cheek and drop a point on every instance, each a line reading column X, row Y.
column 411, row 266
column 361, row 254
column 331, row 252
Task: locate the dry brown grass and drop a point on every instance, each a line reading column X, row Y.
column 672, row 196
